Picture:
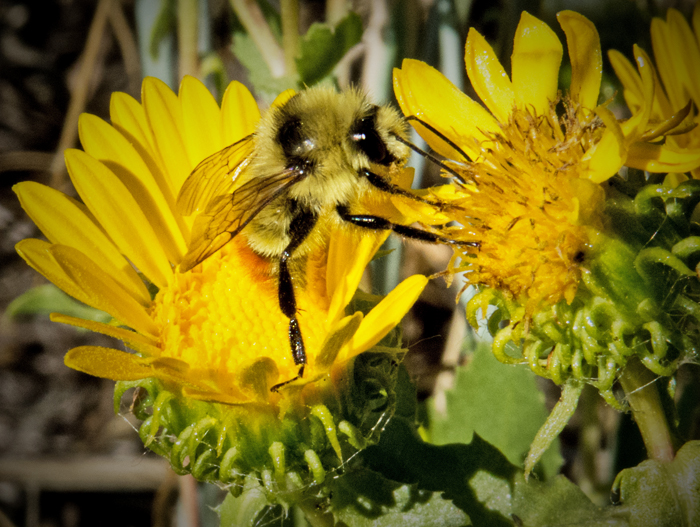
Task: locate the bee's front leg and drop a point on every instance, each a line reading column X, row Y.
column 302, row 224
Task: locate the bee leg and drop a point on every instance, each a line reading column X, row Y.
column 381, row 224
column 301, row 226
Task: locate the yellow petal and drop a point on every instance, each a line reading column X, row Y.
column 668, row 61
column 586, row 58
column 239, row 113
column 662, row 158
column 103, row 291
column 630, row 79
column 385, row 316
column 108, row 363
column 164, row 115
column 129, row 117
column 426, row 93
column 535, row 62
column 65, row 221
column 36, row 253
column 107, row 145
column 117, row 211
column 283, row 97
column 135, row 341
column 696, row 21
column 202, row 131
column 489, row 79
column 343, row 274
column 687, row 51
column 609, row 154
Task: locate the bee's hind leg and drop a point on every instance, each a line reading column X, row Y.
column 299, row 229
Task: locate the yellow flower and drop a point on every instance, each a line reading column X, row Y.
column 675, row 85
column 216, row 333
column 530, row 164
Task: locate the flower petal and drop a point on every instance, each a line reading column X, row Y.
column 343, row 274
column 104, row 292
column 385, row 315
column 129, row 117
column 609, row 154
column 454, row 115
column 662, row 158
column 164, row 115
column 489, row 79
column 668, row 61
column 108, row 363
column 117, row 211
column 36, row 253
column 202, row 131
column 585, row 55
column 239, row 113
column 630, row 79
column 536, row 58
column 80, row 277
column 107, row 145
column 65, row 221
column 683, row 39
column 137, row 342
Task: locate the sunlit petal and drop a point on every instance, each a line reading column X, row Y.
column 585, row 55
column 537, row 54
column 66, row 221
column 487, row 76
column 118, row 212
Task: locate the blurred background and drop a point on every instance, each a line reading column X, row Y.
column 65, row 458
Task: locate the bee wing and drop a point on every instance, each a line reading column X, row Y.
column 214, row 177
column 227, row 215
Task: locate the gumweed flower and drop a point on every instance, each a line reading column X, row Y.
column 210, row 343
column 572, row 263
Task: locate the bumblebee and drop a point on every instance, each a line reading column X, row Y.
column 309, row 162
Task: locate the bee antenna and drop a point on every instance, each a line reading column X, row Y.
column 431, row 157
column 439, row 134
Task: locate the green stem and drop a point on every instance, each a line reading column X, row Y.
column 253, row 20
column 187, row 20
column 289, row 10
column 643, row 396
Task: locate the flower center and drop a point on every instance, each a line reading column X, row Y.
column 224, row 315
column 528, row 206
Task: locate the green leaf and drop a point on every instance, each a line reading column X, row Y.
column 163, row 26
column 560, row 503
column 363, row 498
column 322, row 47
column 266, row 86
column 662, row 494
column 48, row 298
column 477, row 478
column 246, row 509
column 500, row 403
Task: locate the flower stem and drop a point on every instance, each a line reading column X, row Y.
column 187, row 21
column 289, row 11
column 253, row 20
column 642, row 393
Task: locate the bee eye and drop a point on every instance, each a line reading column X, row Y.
column 364, row 134
column 289, row 137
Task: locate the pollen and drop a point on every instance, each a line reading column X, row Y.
column 527, row 206
column 224, row 316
